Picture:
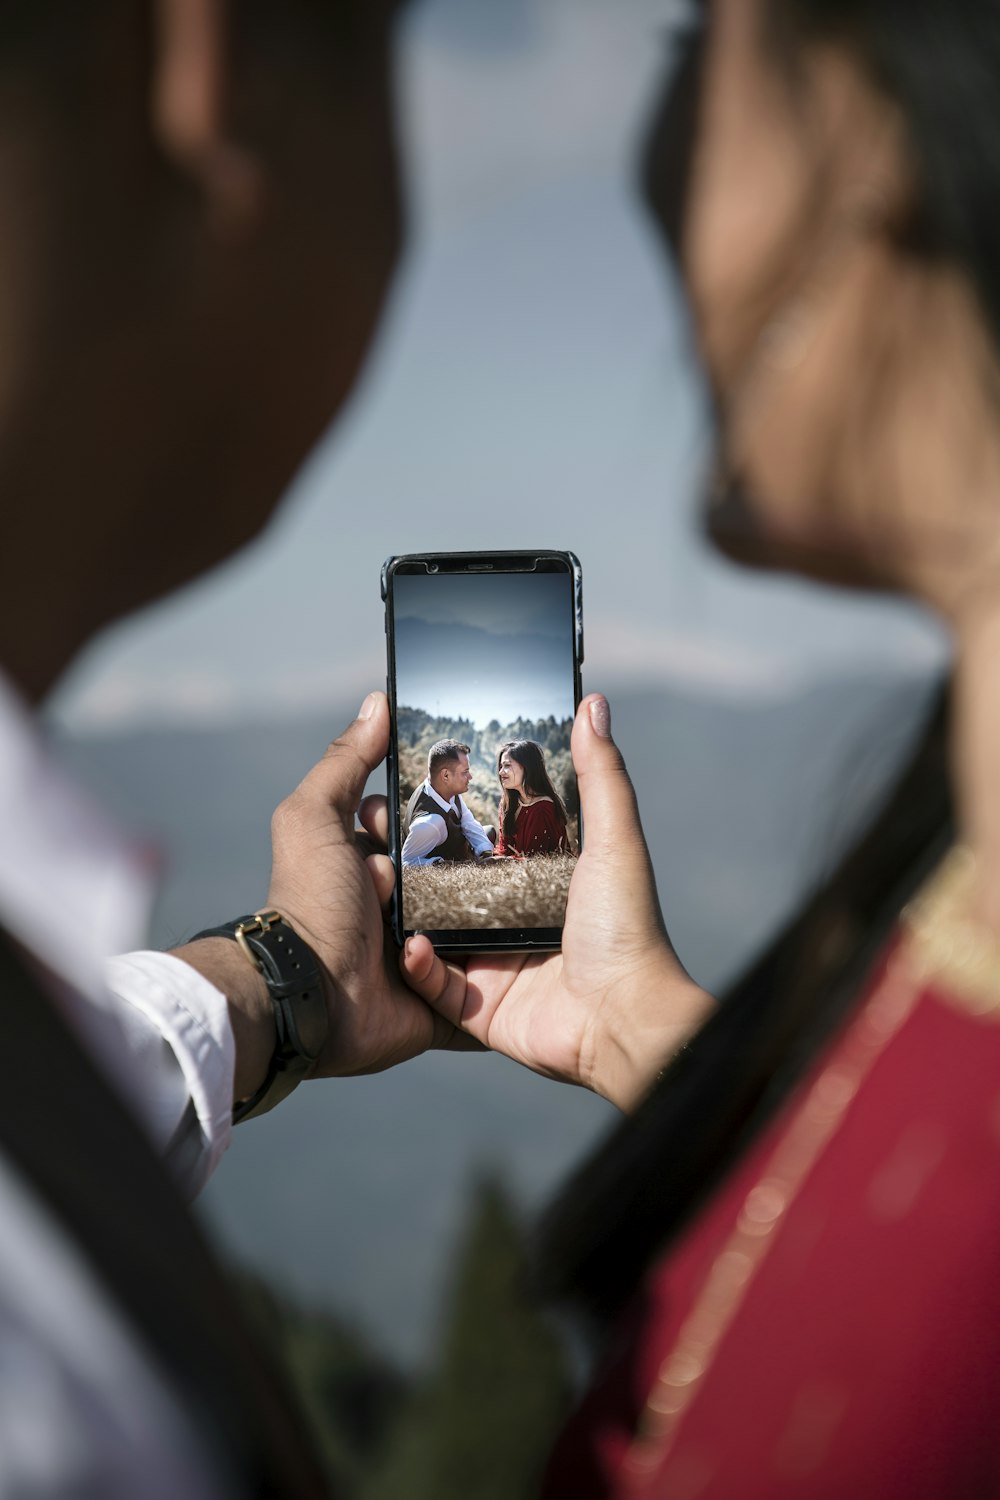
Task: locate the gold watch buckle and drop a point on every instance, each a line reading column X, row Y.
column 259, row 925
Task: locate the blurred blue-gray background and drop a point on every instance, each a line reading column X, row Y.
column 532, row 385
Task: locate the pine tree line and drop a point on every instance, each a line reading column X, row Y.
column 418, row 730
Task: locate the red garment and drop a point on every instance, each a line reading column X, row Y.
column 861, row 1356
column 537, row 831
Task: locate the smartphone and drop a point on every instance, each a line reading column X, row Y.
column 484, row 651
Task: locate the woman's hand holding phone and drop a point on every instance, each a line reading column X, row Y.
column 613, row 1007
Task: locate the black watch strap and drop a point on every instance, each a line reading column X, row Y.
column 291, row 973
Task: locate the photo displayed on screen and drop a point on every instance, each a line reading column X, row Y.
column 484, row 709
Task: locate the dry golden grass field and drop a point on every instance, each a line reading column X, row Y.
column 488, row 893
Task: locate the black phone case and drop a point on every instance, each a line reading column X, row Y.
column 463, row 942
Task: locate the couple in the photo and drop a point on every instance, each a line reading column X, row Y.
column 531, row 817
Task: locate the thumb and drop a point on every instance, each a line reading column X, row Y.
column 338, row 780
column 614, row 847
column 607, row 798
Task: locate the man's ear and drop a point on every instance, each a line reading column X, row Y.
column 191, row 92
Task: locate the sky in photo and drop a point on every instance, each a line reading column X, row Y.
column 485, row 647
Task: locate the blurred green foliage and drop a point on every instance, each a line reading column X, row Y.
column 351, row 1394
column 478, row 1424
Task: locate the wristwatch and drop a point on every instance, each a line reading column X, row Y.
column 291, row 973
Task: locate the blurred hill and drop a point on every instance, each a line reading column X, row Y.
column 352, row 1191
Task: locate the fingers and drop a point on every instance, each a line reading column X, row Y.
column 374, row 817
column 442, row 986
column 365, row 844
column 383, row 876
column 607, row 799
column 420, row 963
column 444, row 989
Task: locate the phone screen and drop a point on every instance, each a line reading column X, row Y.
column 484, row 655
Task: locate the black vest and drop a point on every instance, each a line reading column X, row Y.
column 456, row 845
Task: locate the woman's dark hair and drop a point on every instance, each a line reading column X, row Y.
column 941, row 65
column 537, row 782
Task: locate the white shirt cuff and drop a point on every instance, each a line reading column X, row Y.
column 167, row 1001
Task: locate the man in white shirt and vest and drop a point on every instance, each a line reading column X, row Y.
column 199, row 219
column 441, row 827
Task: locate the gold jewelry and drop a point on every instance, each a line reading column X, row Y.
column 948, row 946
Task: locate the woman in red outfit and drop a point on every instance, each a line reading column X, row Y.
column 532, row 818
column 794, row 1238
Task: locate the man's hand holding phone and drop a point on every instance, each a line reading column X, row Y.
column 331, row 887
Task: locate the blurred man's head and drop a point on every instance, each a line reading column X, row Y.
column 448, row 768
column 200, row 216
